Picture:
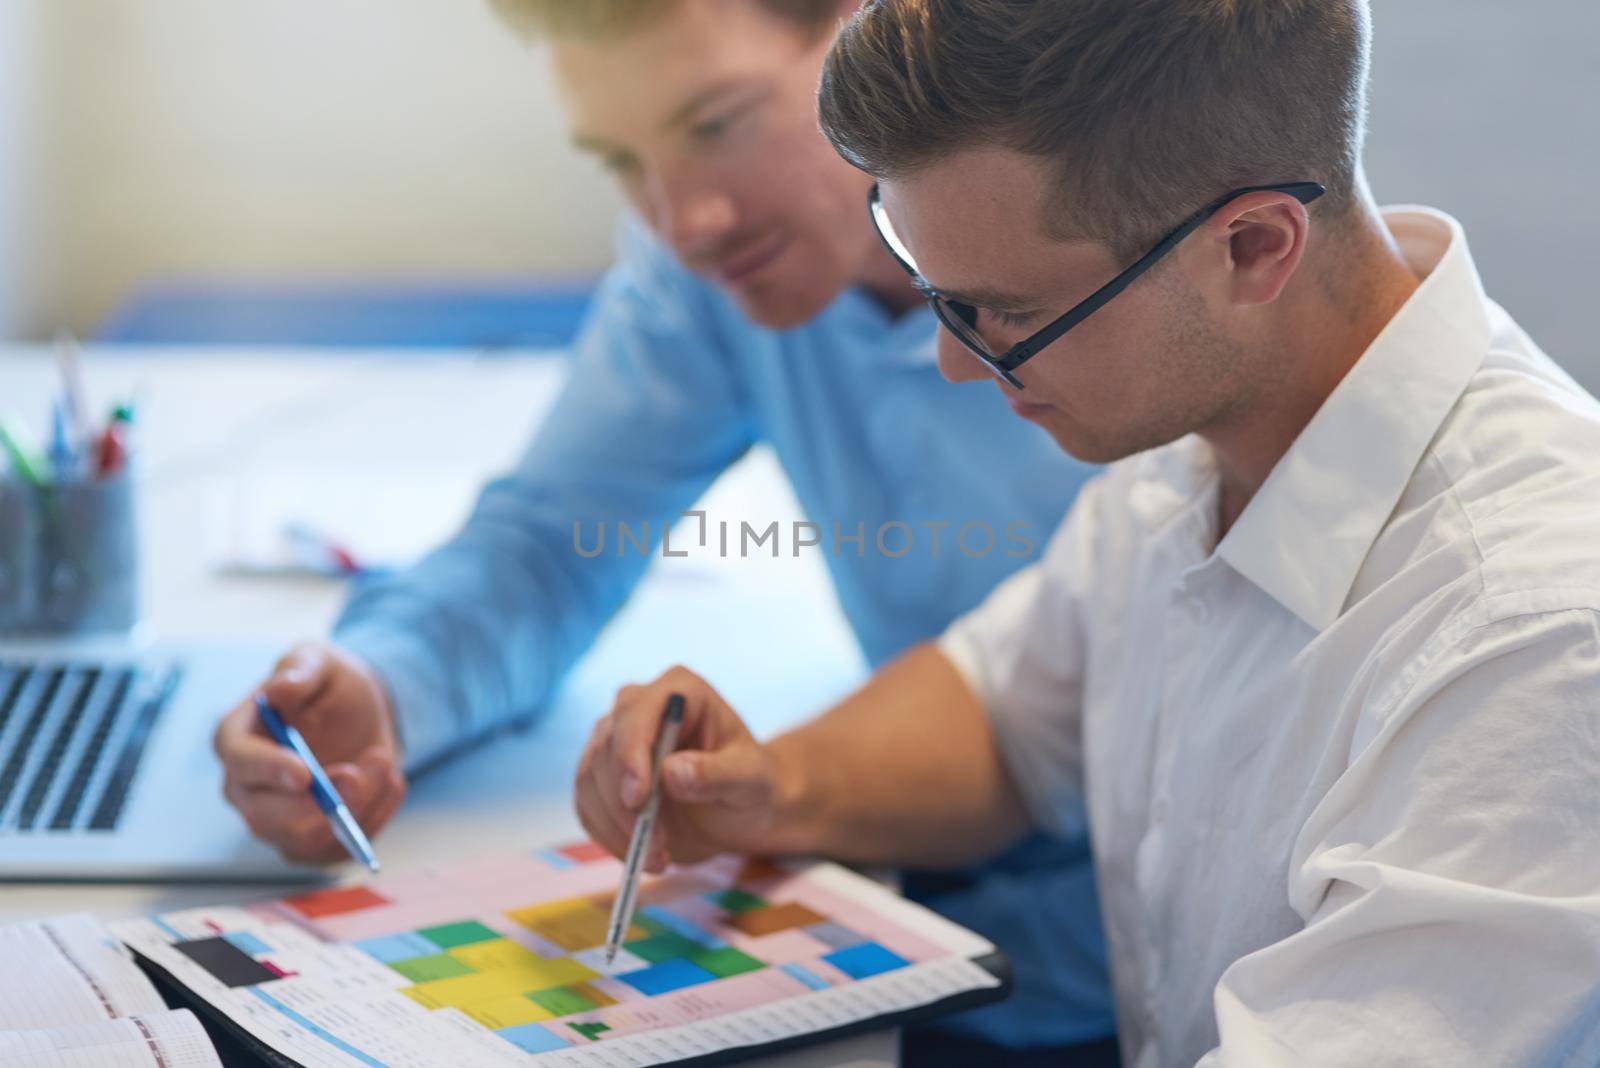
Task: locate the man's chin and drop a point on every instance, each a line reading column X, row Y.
column 1081, row 444
column 777, row 307
column 1104, row 446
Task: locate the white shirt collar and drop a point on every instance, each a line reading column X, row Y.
column 1305, row 534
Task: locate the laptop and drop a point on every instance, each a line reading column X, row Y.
column 106, row 766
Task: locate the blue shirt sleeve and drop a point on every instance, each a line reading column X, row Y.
column 482, row 629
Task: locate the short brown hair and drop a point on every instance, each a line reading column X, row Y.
column 1149, row 108
column 610, row 18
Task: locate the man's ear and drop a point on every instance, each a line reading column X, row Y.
column 1262, row 238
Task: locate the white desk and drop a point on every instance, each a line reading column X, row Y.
column 205, row 416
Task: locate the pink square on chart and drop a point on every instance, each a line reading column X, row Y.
column 698, row 909
column 784, row 947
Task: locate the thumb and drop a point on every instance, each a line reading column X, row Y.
column 738, row 776
column 299, row 677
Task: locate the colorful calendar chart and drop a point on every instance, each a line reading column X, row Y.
column 502, row 962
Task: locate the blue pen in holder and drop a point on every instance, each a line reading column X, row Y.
column 69, row 555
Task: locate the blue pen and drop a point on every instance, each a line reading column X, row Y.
column 63, row 458
column 345, row 827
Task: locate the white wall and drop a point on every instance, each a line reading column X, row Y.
column 20, row 267
column 306, row 137
column 1488, row 109
column 418, row 137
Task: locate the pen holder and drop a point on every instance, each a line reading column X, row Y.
column 72, row 547
column 19, row 552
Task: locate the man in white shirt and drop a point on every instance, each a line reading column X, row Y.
column 1318, row 658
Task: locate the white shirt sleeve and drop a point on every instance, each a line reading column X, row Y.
column 1450, row 879
column 1022, row 653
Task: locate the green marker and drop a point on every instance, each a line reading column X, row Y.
column 19, row 457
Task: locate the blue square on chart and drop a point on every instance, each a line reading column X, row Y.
column 673, row 974
column 248, row 943
column 532, row 1037
column 403, row 946
column 682, row 925
column 866, row 959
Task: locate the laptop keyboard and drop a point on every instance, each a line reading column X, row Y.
column 72, row 737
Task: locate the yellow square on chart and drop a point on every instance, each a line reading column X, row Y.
column 574, row 923
column 465, row 991
column 494, row 955
column 508, row 1012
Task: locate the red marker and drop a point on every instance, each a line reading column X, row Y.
column 112, row 452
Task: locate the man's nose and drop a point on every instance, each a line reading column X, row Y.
column 691, row 217
column 957, row 362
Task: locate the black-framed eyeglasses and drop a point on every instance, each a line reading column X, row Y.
column 962, row 319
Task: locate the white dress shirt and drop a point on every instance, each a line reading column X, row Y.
column 1342, row 770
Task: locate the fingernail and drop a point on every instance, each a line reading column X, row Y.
column 294, row 676
column 630, row 788
column 289, row 780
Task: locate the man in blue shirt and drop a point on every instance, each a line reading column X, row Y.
column 751, row 302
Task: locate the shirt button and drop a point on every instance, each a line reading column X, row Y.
column 1199, row 611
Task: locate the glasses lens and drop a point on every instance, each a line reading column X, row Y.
column 961, row 321
column 880, row 218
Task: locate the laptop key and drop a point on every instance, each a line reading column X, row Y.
column 35, row 713
column 72, row 798
column 19, row 678
column 45, row 776
column 115, row 796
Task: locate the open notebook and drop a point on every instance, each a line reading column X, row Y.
column 500, row 963
column 71, row 997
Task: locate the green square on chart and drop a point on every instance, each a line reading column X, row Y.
column 427, row 969
column 561, row 1000
column 464, row 933
column 735, row 900
column 663, row 946
column 725, row 961
column 591, row 1031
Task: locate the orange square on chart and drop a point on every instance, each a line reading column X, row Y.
column 772, row 919
column 760, row 870
column 335, row 901
column 583, row 852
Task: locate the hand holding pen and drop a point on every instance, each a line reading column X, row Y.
column 340, row 820
column 718, row 787
column 643, row 827
column 340, row 708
